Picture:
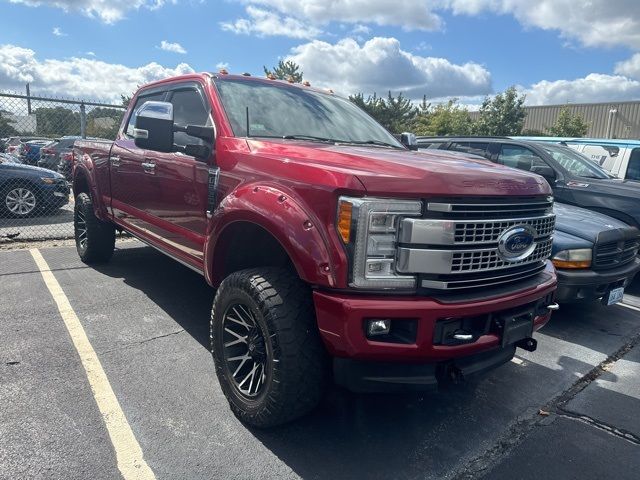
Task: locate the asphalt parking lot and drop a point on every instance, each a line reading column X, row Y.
column 568, row 410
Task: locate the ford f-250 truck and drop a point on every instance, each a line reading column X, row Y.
column 333, row 251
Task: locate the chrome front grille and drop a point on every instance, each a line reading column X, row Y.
column 488, row 232
column 455, row 244
column 488, row 259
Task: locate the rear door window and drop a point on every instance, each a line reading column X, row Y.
column 603, row 155
column 633, row 170
column 477, row 148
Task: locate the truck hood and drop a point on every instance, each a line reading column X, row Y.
column 583, row 223
column 386, row 171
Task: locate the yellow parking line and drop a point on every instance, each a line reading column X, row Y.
column 129, row 455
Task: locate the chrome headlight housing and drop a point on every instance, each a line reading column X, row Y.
column 369, row 228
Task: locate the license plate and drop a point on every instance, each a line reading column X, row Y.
column 517, row 327
column 615, row 295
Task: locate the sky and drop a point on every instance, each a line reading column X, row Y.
column 554, row 51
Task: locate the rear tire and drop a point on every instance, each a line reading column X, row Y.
column 95, row 239
column 264, row 318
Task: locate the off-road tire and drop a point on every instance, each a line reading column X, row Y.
column 100, row 236
column 297, row 370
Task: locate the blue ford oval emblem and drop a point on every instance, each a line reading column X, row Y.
column 517, row 243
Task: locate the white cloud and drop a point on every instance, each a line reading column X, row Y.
column 77, row 77
column 595, row 87
column 91, row 54
column 264, row 23
column 222, row 65
column 109, row 11
column 410, row 15
column 595, row 23
column 629, row 68
column 171, row 47
column 57, row 31
column 380, row 65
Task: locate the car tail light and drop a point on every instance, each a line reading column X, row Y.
column 68, row 157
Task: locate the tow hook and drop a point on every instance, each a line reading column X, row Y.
column 528, row 344
column 450, row 373
column 553, row 307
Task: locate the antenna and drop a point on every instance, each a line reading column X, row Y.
column 247, row 117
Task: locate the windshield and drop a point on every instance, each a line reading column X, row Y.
column 574, row 162
column 282, row 111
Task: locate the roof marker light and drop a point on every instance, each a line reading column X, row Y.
column 271, row 76
column 246, row 74
column 224, row 71
column 291, row 80
column 306, row 83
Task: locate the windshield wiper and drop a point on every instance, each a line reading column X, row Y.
column 377, row 143
column 310, row 138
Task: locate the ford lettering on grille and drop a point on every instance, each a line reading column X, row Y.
column 517, row 243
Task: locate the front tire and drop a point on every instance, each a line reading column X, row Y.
column 19, row 201
column 95, row 239
column 269, row 358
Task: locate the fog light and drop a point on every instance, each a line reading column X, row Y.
column 378, row 327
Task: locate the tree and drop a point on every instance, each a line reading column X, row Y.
column 569, row 125
column 104, row 122
column 502, row 115
column 285, row 71
column 57, row 121
column 6, row 129
column 396, row 114
column 444, row 119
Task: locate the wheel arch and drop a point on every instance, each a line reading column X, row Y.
column 274, row 224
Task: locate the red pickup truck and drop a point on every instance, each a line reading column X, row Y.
column 337, row 252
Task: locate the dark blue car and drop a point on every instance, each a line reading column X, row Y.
column 596, row 256
column 26, row 190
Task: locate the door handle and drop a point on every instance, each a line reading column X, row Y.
column 115, row 161
column 148, row 167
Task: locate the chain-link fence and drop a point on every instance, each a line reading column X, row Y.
column 37, row 135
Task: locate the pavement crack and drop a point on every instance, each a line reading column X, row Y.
column 518, row 430
column 594, row 422
column 140, row 342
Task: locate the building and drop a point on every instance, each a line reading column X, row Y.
column 606, row 120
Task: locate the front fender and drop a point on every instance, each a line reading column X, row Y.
column 295, row 226
column 84, row 181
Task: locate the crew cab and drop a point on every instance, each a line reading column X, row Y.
column 575, row 179
column 333, row 251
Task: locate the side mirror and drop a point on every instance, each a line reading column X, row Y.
column 408, row 139
column 546, row 172
column 154, row 127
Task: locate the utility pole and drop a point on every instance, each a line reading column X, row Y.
column 28, row 100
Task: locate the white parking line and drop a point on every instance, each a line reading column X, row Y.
column 517, row 361
column 129, row 455
column 630, row 307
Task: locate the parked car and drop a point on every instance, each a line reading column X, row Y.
column 26, row 190
column 30, row 151
column 620, row 157
column 52, row 154
column 575, row 179
column 595, row 255
column 324, row 236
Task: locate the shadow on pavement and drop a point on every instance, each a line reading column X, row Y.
column 387, row 436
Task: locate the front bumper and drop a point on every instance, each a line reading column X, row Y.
column 576, row 286
column 341, row 319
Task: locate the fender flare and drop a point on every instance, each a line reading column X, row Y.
column 300, row 233
column 84, row 169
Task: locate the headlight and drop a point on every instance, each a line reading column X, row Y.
column 48, row 180
column 369, row 229
column 579, row 258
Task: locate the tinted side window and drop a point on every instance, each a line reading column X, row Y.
column 633, row 170
column 189, row 109
column 519, row 157
column 477, row 148
column 154, row 97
